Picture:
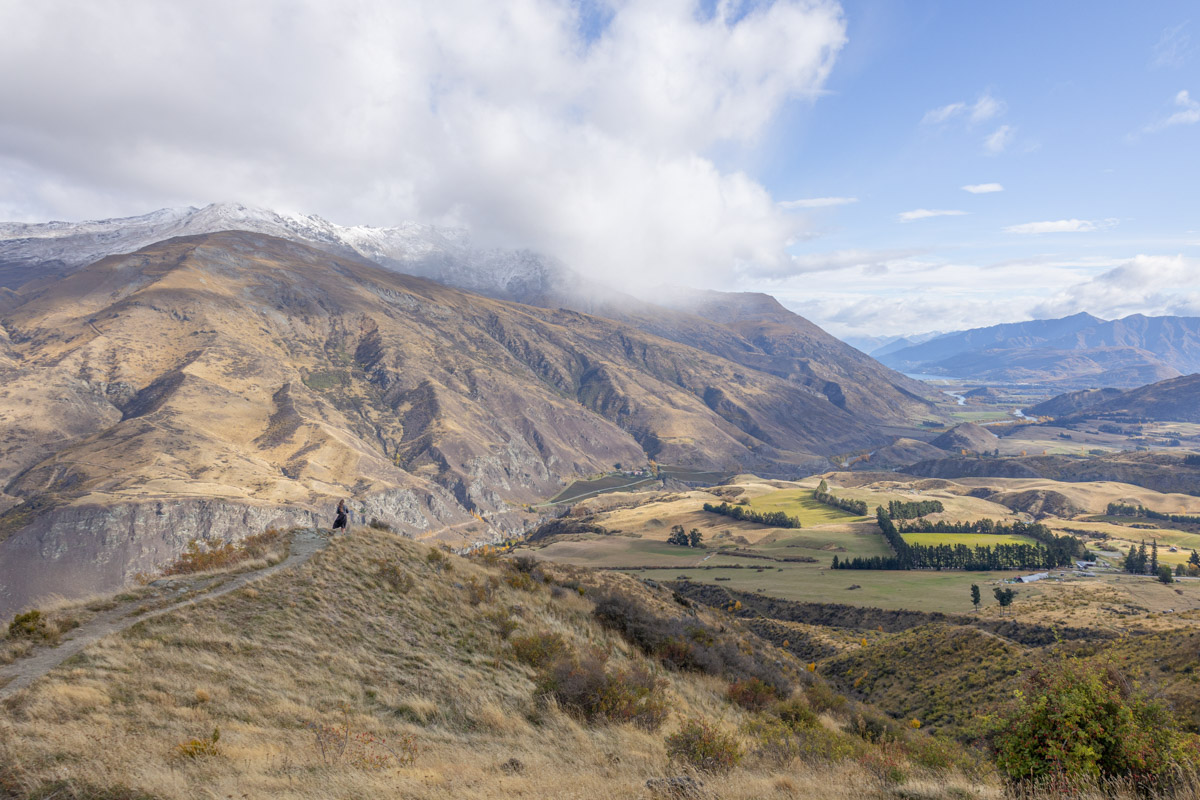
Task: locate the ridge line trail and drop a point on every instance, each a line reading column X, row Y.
column 23, row 672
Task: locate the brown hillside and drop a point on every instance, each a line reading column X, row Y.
column 215, row 385
column 967, row 436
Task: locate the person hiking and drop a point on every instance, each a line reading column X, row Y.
column 340, row 520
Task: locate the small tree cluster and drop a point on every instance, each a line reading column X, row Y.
column 1140, row 561
column 776, row 519
column 679, row 536
column 899, row 509
column 1004, row 596
column 825, row 497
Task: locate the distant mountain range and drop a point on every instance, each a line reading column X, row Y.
column 1080, row 351
column 1174, row 400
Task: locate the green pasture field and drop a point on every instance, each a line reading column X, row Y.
column 824, row 544
column 925, row 590
column 921, row 590
column 969, row 539
column 799, row 503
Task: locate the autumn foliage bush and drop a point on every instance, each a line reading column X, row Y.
column 704, row 747
column 201, row 556
column 584, row 685
column 752, row 694
column 538, row 650
column 687, row 644
column 1078, row 722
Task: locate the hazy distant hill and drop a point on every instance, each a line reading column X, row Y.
column 1162, row 472
column 1175, row 400
column 215, row 385
column 1076, row 351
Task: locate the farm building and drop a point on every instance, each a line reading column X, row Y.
column 1037, row 576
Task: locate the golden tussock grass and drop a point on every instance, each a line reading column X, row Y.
column 333, row 647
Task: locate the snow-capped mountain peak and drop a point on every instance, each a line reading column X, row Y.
column 40, row 250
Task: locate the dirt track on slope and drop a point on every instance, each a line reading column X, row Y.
column 20, row 674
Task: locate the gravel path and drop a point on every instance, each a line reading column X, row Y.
column 23, row 672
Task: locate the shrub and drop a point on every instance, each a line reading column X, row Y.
column 684, row 643
column 538, row 650
column 481, row 591
column 394, row 576
column 201, row 556
column 822, row 697
column 751, row 694
column 438, row 561
column 584, row 686
column 379, row 525
column 1077, row 721
column 872, row 726
column 704, row 747
column 886, row 762
column 773, row 739
column 30, row 625
column 340, row 744
column 521, row 580
column 200, row 748
column 503, row 621
column 796, row 713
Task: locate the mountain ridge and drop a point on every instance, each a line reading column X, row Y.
column 211, row 386
column 1076, row 352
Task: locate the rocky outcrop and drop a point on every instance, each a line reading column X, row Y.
column 85, row 549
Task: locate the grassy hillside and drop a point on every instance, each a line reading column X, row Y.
column 385, row 668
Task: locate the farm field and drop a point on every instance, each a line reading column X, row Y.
column 799, row 503
column 638, row 525
column 969, row 539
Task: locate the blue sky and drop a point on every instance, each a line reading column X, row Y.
column 1074, row 99
column 814, row 150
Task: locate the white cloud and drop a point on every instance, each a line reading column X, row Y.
column 817, row 202
column 926, row 213
column 1145, row 284
column 981, row 110
column 983, row 188
column 1062, row 226
column 999, row 140
column 937, row 116
column 1189, row 114
column 500, row 116
column 839, row 260
column 985, row 108
column 1174, row 47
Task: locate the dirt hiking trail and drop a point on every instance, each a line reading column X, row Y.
column 20, row 674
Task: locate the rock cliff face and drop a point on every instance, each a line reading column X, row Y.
column 78, row 549
column 211, row 386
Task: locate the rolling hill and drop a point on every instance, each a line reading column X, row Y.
column 1173, row 400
